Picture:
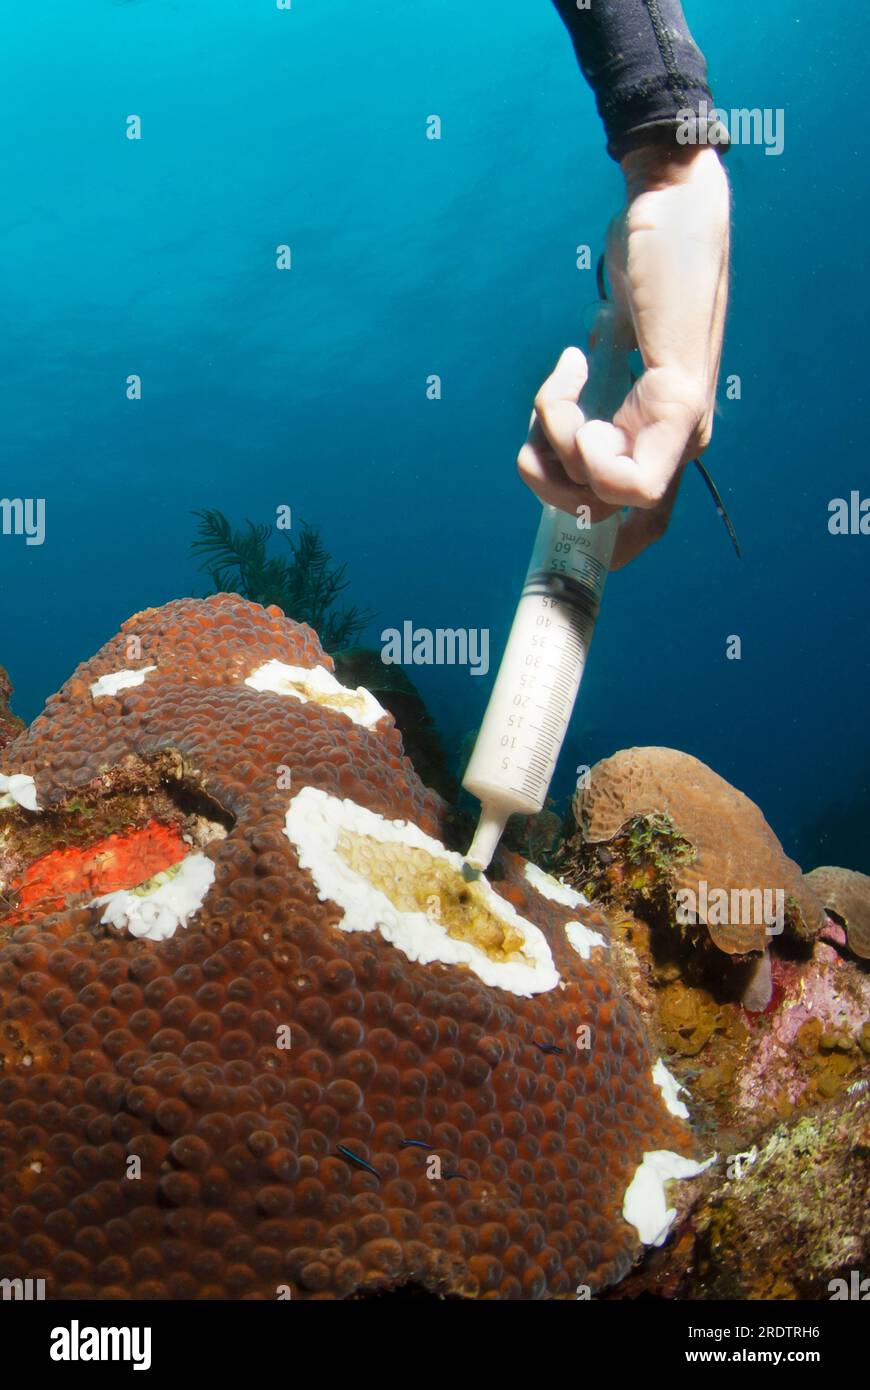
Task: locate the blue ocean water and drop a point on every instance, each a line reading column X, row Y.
column 410, row 257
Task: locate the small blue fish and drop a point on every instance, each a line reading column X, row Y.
column 355, row 1158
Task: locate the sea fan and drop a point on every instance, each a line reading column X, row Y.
column 305, row 584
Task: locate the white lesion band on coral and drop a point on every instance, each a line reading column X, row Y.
column 158, row 908
column 18, row 789
column 580, row 937
column 583, row 938
column 645, row 1206
column 670, row 1088
column 119, row 680
column 316, row 685
column 313, row 825
column 554, row 888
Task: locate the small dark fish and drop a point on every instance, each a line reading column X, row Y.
column 549, row 1047
column 355, row 1158
column 452, row 1175
column 417, row 1143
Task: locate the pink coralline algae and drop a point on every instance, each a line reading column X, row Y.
column 825, row 999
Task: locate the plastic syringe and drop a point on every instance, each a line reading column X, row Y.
column 533, row 697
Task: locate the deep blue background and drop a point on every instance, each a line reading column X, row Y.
column 410, row 256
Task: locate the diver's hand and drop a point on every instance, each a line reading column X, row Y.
column 667, row 259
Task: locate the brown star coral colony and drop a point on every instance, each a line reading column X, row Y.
column 158, row 1141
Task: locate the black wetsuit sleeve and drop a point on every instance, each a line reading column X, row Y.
column 644, row 67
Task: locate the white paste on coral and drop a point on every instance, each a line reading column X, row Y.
column 157, row 914
column 553, row 888
column 645, row 1206
column 18, row 789
column 315, row 683
column 313, row 824
column 583, row 938
column 670, row 1088
column 119, row 680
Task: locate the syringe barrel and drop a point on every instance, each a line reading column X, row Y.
column 533, row 697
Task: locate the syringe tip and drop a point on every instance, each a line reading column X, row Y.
column 486, row 837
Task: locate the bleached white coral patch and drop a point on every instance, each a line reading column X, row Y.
column 583, row 938
column 18, row 789
column 317, row 685
column 313, row 825
column 157, row 909
column 119, row 680
column 670, row 1088
column 645, row 1206
column 553, row 888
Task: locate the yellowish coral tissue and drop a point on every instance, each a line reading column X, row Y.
column 389, row 876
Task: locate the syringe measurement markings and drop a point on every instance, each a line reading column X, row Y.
column 541, row 755
column 539, row 758
column 552, row 734
column 539, row 764
column 557, row 666
column 543, row 737
column 556, row 727
column 548, row 711
column 533, row 774
column 564, row 689
column 536, row 756
column 549, row 717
